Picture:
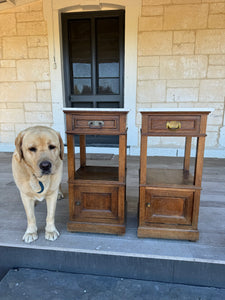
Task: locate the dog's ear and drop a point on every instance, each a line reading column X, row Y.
column 61, row 146
column 18, row 144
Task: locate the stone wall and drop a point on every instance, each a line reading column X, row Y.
column 25, row 95
column 181, row 60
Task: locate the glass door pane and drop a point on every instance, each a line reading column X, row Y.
column 80, row 57
column 108, row 56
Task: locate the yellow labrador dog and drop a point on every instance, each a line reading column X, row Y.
column 37, row 169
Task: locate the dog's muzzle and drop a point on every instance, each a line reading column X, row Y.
column 45, row 167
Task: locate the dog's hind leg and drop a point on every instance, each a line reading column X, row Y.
column 60, row 193
column 31, row 232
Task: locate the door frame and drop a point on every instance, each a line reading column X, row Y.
column 52, row 12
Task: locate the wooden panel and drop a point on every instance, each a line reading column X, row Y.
column 174, row 125
column 96, row 204
column 168, row 207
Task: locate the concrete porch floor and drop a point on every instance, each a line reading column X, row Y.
column 198, row 263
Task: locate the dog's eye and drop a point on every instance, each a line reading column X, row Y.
column 51, row 147
column 33, row 149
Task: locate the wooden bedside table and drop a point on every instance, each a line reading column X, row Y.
column 169, row 199
column 96, row 193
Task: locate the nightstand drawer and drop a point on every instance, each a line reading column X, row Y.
column 173, row 125
column 97, row 123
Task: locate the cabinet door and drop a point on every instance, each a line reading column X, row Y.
column 168, row 206
column 98, row 204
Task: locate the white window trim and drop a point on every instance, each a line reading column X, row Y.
column 52, row 12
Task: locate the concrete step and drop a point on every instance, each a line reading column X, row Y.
column 42, row 284
column 141, row 267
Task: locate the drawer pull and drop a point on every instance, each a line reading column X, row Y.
column 96, row 124
column 173, row 125
column 77, row 203
column 148, row 205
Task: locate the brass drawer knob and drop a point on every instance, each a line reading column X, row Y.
column 173, row 125
column 148, row 204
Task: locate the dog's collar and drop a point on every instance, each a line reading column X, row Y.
column 41, row 186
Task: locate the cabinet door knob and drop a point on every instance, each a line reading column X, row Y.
column 77, row 203
column 173, row 125
column 148, row 204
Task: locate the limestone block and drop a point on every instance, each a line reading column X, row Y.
column 9, row 115
column 29, row 16
column 193, row 16
column 184, row 36
column 37, row 41
column 155, row 43
column 218, row 60
column 210, row 41
column 222, row 136
column 183, row 83
column 212, row 1
column 165, row 105
column 182, row 95
column 148, row 61
column 17, row 92
column 216, row 72
column 14, row 105
column 212, row 90
column 7, row 63
column 38, row 117
column 43, row 85
column 150, row 23
column 14, row 47
column 151, row 10
column 2, row 105
column 151, row 91
column 183, row 49
column 33, row 69
column 35, row 6
column 186, row 1
column 7, row 127
column 145, row 73
column 32, row 28
column 216, row 21
column 38, row 52
column 215, row 118
column 172, row 141
column 7, row 137
column 183, row 67
column 154, row 2
column 211, row 139
column 0, row 48
column 7, row 25
column 46, row 107
column 44, row 96
column 7, row 74
column 217, row 8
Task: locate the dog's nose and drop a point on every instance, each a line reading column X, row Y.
column 45, row 166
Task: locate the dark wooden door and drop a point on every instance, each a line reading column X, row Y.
column 93, row 45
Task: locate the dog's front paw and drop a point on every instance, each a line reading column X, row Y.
column 52, row 235
column 30, row 237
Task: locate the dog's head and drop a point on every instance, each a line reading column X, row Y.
column 41, row 148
